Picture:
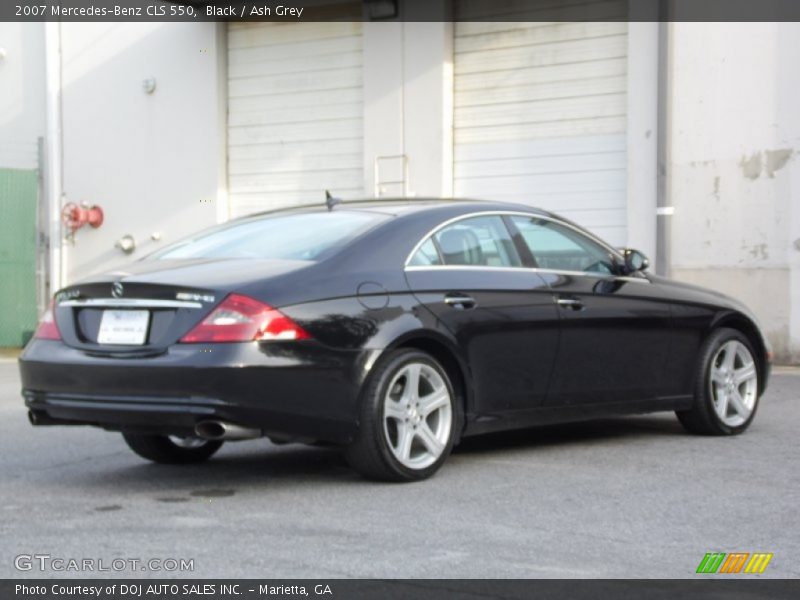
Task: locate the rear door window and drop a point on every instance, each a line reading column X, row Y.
column 427, row 255
column 476, row 241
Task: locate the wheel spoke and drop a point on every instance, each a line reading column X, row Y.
column 434, row 401
column 717, row 376
column 411, row 391
column 744, row 374
column 738, row 404
column 721, row 404
column 430, row 440
column 730, row 355
column 405, row 437
column 394, row 410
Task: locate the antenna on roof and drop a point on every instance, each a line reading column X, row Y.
column 330, row 201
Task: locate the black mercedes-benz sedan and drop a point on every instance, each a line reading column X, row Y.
column 390, row 328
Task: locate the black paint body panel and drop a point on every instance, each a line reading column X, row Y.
column 522, row 358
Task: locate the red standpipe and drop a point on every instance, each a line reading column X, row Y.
column 74, row 216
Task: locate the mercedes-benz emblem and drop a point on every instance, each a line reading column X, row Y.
column 116, row 289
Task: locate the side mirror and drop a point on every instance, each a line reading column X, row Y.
column 634, row 260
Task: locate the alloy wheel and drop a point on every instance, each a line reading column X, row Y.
column 417, row 415
column 733, row 383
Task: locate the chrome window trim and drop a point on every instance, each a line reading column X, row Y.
column 465, row 268
column 529, row 269
column 130, row 302
column 502, row 213
column 507, row 213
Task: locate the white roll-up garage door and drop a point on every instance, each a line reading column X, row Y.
column 295, row 109
column 540, row 114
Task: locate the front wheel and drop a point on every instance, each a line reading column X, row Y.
column 408, row 420
column 726, row 392
column 170, row 449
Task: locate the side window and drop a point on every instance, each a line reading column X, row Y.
column 477, row 241
column 426, row 255
column 561, row 248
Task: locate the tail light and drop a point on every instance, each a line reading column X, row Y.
column 48, row 329
column 243, row 319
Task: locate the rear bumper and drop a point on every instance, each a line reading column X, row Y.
column 292, row 390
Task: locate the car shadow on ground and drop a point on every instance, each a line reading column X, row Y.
column 254, row 465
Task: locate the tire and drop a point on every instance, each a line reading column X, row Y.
column 162, row 449
column 393, row 418
column 715, row 381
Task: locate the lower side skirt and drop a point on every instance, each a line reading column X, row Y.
column 552, row 415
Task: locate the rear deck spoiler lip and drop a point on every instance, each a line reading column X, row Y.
column 130, row 303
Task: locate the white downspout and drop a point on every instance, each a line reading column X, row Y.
column 54, row 179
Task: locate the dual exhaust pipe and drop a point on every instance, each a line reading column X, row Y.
column 40, row 418
column 220, row 430
column 208, row 430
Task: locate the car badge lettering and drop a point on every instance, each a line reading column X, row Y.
column 67, row 295
column 192, row 297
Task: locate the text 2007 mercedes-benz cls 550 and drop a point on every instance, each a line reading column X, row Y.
column 392, row 329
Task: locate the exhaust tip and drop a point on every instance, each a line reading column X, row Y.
column 210, row 430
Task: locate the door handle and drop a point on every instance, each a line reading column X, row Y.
column 572, row 303
column 460, row 301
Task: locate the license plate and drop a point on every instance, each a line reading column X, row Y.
column 128, row 327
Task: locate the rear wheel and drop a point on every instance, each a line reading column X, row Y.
column 726, row 393
column 171, row 450
column 409, row 416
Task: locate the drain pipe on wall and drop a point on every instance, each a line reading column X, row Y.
column 54, row 156
column 664, row 210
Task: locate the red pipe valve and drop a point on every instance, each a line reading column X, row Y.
column 74, row 217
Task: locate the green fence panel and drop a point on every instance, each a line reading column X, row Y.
column 19, row 192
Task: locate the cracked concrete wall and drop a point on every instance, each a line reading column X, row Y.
column 734, row 169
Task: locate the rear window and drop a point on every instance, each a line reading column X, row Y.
column 304, row 236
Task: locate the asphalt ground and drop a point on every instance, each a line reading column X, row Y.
column 626, row 497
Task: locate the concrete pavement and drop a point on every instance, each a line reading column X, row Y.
column 627, row 497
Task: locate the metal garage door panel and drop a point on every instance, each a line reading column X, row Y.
column 539, row 10
column 295, row 113
column 541, row 112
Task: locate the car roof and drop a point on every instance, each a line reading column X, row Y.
column 405, row 206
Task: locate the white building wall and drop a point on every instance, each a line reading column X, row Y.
column 428, row 106
column 22, row 94
column 383, row 105
column 734, row 177
column 154, row 162
column 408, row 90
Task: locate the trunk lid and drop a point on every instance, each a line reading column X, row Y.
column 150, row 305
